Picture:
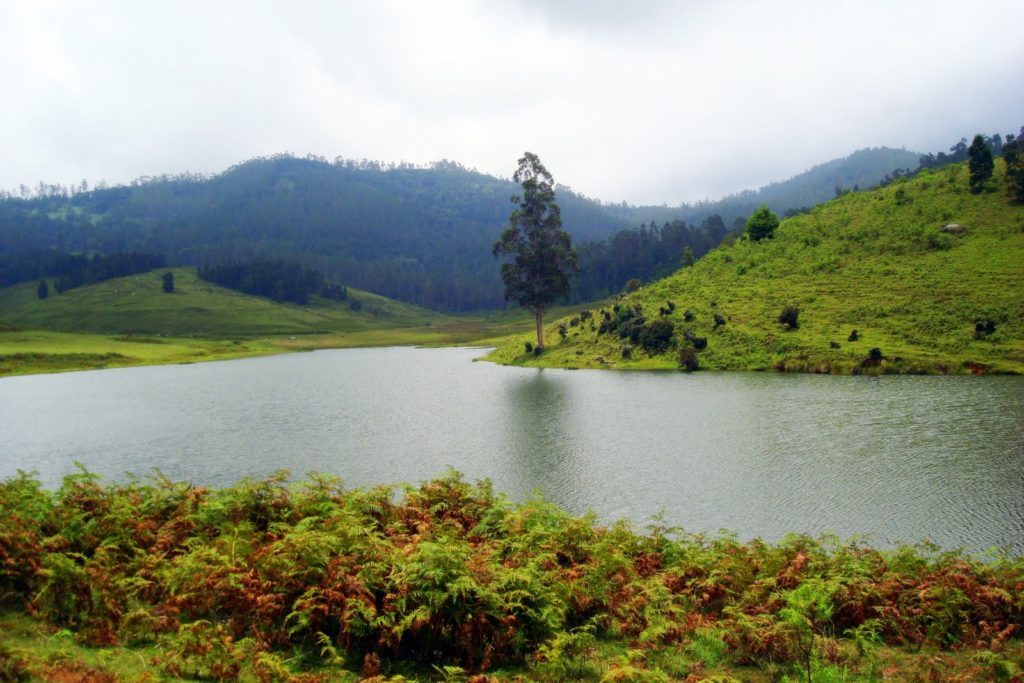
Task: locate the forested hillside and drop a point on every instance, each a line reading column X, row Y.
column 418, row 234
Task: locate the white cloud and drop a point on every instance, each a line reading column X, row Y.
column 669, row 102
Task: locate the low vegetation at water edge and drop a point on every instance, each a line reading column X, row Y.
column 309, row 581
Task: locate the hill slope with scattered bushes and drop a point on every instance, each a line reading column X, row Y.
column 919, row 276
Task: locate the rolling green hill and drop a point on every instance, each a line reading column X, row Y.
column 421, row 235
column 878, row 262
column 138, row 305
column 131, row 321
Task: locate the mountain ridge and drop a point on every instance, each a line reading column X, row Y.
column 421, row 235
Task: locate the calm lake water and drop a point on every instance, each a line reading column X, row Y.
column 898, row 458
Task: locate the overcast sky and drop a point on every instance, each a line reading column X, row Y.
column 647, row 102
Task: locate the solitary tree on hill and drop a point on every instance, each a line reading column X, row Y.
column 979, row 162
column 762, row 223
column 43, row 290
column 542, row 256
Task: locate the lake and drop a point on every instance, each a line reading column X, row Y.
column 901, row 459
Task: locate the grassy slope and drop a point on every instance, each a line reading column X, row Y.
column 131, row 321
column 874, row 261
column 138, row 305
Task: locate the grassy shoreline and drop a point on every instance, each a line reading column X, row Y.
column 310, row 581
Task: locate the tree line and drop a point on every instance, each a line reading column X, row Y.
column 646, row 253
column 70, row 271
column 278, row 280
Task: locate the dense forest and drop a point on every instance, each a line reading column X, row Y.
column 277, row 280
column 73, row 270
column 417, row 234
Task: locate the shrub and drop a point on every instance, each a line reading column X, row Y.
column 789, row 317
column 854, row 336
column 529, row 347
column 633, row 284
column 656, row 336
column 719, row 320
column 983, row 327
column 627, row 352
column 833, row 345
column 699, row 343
column 688, row 361
column 689, row 315
column 563, row 332
column 632, row 329
column 875, row 354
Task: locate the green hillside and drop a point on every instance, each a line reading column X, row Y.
column 878, row 262
column 138, row 305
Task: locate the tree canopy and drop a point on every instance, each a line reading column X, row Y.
column 979, row 162
column 542, row 256
column 762, row 223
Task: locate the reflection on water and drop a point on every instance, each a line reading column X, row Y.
column 900, row 458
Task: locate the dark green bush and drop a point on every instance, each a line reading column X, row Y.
column 983, row 327
column 688, row 360
column 789, row 317
column 656, row 336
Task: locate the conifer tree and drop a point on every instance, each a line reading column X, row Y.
column 979, row 162
column 762, row 224
column 1014, row 157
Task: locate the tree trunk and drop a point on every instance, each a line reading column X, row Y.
column 540, row 328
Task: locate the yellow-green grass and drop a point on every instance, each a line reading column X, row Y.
column 131, row 321
column 138, row 305
column 876, row 261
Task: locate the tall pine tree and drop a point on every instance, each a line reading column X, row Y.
column 979, row 162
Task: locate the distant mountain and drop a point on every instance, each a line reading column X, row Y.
column 417, row 234
column 863, row 169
